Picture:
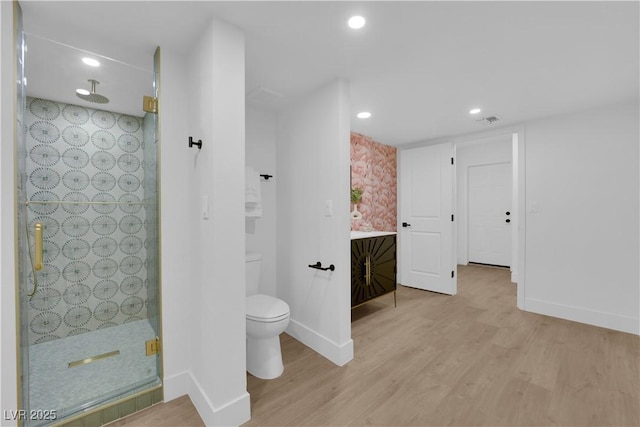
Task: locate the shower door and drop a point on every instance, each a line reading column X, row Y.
column 88, row 237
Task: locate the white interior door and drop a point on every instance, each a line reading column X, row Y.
column 426, row 208
column 489, row 213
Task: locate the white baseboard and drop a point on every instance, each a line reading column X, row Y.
column 578, row 314
column 177, row 385
column 339, row 354
column 233, row 413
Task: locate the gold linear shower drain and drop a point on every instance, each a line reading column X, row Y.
column 93, row 359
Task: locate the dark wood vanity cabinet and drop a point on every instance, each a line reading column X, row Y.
column 373, row 268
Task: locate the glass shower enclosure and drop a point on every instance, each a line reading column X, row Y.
column 87, row 237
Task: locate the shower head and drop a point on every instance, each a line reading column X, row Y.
column 92, row 96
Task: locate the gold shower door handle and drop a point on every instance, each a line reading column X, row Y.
column 37, row 231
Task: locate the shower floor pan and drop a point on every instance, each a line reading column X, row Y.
column 55, row 385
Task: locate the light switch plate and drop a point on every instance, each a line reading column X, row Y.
column 328, row 208
column 205, row 207
column 534, row 207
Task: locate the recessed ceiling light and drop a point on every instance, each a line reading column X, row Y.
column 356, row 22
column 90, row 61
column 364, row 115
column 82, row 92
column 475, row 111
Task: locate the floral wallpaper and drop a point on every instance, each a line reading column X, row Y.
column 374, row 170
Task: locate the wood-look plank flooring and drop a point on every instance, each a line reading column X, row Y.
column 435, row 360
column 470, row 359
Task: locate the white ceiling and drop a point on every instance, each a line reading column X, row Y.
column 417, row 66
column 54, row 71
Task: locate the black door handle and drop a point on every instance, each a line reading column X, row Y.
column 507, row 220
column 508, row 213
column 406, row 224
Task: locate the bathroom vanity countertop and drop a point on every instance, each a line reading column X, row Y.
column 367, row 234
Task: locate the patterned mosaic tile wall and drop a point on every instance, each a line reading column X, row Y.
column 85, row 172
column 374, row 170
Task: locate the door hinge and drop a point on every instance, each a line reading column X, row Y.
column 153, row 346
column 452, row 274
column 150, row 104
column 452, row 160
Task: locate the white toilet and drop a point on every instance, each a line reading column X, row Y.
column 267, row 318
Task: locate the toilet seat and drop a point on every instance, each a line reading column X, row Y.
column 266, row 309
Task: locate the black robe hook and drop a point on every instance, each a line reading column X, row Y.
column 197, row 144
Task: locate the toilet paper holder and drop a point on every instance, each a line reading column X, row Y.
column 318, row 266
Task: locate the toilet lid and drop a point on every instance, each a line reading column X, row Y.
column 266, row 308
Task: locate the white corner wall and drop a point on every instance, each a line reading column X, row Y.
column 582, row 244
column 178, row 229
column 312, row 172
column 261, row 155
column 216, row 113
column 8, row 372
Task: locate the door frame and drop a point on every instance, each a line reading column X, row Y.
column 517, row 197
column 466, row 240
column 462, row 190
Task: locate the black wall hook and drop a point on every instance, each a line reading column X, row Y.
column 197, row 144
column 318, row 266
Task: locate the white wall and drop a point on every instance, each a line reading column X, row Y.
column 580, row 251
column 8, row 388
column 261, row 155
column 217, row 117
column 480, row 152
column 582, row 245
column 178, row 228
column 313, row 167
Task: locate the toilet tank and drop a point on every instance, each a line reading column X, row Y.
column 253, row 260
